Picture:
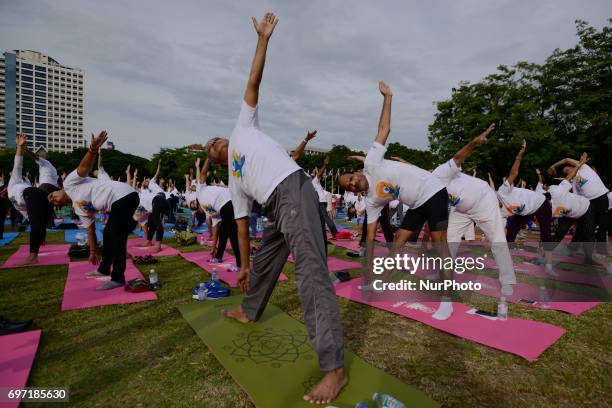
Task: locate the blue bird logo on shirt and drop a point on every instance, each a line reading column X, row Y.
column 454, row 200
column 516, row 209
column 580, row 182
column 237, row 164
column 210, row 210
column 85, row 208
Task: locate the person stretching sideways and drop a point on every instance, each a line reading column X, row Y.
column 573, row 209
column 217, row 203
column 523, row 205
column 89, row 195
column 588, row 184
column 473, row 201
column 424, row 194
column 261, row 170
column 30, row 201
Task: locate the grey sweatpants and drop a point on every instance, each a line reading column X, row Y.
column 293, row 214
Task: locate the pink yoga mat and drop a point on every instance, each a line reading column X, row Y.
column 567, row 259
column 134, row 250
column 16, row 359
column 379, row 250
column 525, row 338
column 231, row 278
column 336, row 264
column 563, row 301
column 80, row 291
column 563, row 275
column 53, row 254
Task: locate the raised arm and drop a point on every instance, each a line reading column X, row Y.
column 384, row 124
column 17, row 172
column 583, row 159
column 128, row 175
column 491, row 183
column 465, row 151
column 552, row 170
column 204, row 173
column 517, row 163
column 264, row 29
column 87, row 162
column 154, row 178
column 356, row 158
column 135, row 179
column 399, row 159
column 297, row 153
column 321, row 171
column 100, row 158
column 540, row 178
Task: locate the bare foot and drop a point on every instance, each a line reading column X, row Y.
column 326, row 390
column 29, row 260
column 156, row 249
column 146, row 245
column 237, row 314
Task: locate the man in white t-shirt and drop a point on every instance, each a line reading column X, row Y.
column 573, row 209
column 30, row 201
column 473, row 201
column 261, row 170
column 522, row 205
column 385, row 181
column 88, row 196
column 588, row 184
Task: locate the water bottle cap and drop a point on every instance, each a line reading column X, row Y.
column 152, row 270
column 375, row 396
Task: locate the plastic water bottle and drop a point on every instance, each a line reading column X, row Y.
column 202, row 292
column 188, row 228
column 386, row 401
column 544, row 298
column 153, row 278
column 502, row 309
column 214, row 275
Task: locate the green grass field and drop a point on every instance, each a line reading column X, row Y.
column 145, row 355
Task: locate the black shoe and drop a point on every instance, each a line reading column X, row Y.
column 10, row 328
column 11, row 321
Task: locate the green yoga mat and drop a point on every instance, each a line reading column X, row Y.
column 275, row 364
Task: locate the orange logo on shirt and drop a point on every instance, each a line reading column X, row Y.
column 562, row 212
column 384, row 189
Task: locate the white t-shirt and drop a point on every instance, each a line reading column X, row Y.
column 540, row 188
column 257, row 163
column 16, row 186
column 464, row 191
column 519, row 201
column 154, row 187
column 588, row 184
column 90, row 195
column 319, row 189
column 102, row 174
column 212, row 199
column 350, row 197
column 389, row 180
column 47, row 174
column 145, row 207
column 566, row 204
column 360, row 207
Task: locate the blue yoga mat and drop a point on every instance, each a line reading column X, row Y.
column 70, row 235
column 8, row 238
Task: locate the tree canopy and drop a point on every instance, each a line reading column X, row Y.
column 561, row 107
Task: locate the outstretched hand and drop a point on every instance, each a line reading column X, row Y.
column 523, row 147
column 98, row 141
column 197, row 163
column 384, row 89
column 311, row 135
column 483, row 137
column 21, row 139
column 584, row 158
column 326, row 161
column 266, row 25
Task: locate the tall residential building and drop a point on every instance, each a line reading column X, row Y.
column 43, row 99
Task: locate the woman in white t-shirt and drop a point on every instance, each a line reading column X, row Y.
column 588, row 184
column 88, row 196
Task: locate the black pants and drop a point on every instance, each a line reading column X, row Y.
column 156, row 218
column 119, row 225
column 39, row 210
column 172, row 204
column 585, row 232
column 5, row 204
column 544, row 217
column 385, row 224
column 228, row 229
column 600, row 220
column 200, row 218
column 327, row 219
